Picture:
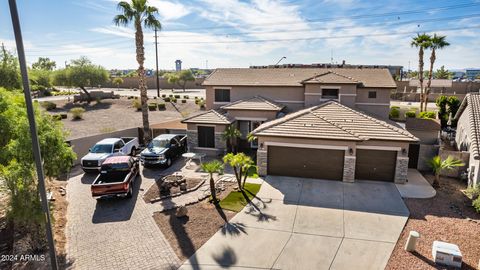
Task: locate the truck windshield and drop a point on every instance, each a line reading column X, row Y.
column 158, row 144
column 101, row 148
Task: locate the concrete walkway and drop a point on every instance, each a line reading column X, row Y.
column 417, row 186
column 309, row 224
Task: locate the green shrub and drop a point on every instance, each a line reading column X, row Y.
column 476, row 205
column 161, row 106
column 57, row 117
column 196, row 101
column 410, row 114
column 394, row 113
column 174, row 100
column 394, row 107
column 152, row 106
column 77, row 113
column 47, row 105
column 184, row 101
column 427, row 115
column 167, row 99
column 201, row 104
column 170, row 96
column 164, row 95
column 176, row 96
column 196, row 98
column 137, row 104
column 186, row 97
column 63, row 115
column 154, row 97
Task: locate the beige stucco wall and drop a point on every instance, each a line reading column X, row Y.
column 267, row 115
column 379, row 111
column 346, row 93
column 383, row 95
column 218, row 128
column 290, row 96
column 462, row 137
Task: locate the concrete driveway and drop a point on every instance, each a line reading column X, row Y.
column 309, row 224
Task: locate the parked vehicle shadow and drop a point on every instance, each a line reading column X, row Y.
column 88, row 178
column 117, row 209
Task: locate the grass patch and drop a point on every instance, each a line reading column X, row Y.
column 235, row 201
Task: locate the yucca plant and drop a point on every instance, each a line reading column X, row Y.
column 212, row 167
column 438, row 166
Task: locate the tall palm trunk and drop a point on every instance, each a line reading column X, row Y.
column 430, row 75
column 142, row 83
column 420, row 75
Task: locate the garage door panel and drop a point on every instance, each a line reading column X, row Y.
column 306, row 162
column 376, row 165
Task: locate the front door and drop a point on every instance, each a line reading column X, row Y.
column 253, row 126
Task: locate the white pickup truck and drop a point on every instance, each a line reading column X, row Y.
column 107, row 148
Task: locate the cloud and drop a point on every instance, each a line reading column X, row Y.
column 170, row 11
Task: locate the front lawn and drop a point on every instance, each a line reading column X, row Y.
column 235, row 201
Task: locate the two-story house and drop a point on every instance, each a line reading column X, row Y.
column 310, row 122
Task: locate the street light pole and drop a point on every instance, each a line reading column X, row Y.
column 33, row 131
column 156, row 61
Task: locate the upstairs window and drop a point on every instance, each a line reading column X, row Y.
column 372, row 94
column 329, row 93
column 222, row 95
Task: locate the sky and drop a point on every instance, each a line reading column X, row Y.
column 240, row 33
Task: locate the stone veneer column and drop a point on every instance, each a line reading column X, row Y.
column 349, row 169
column 192, row 139
column 401, row 170
column 220, row 143
column 262, row 162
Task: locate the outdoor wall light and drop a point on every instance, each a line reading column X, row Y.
column 261, row 145
column 404, row 151
column 350, row 150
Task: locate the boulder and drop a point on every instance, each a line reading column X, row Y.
column 182, row 211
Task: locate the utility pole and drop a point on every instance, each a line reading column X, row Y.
column 33, row 131
column 156, row 61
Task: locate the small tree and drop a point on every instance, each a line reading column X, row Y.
column 81, row 73
column 212, row 167
column 240, row 163
column 9, row 71
column 442, row 73
column 180, row 78
column 230, row 135
column 44, row 63
column 117, row 81
column 438, row 166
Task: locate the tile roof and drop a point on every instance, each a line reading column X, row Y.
column 257, row 103
column 296, row 76
column 331, row 77
column 209, row 117
column 471, row 105
column 333, row 121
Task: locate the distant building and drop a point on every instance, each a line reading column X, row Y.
column 394, row 70
column 472, row 74
column 178, row 65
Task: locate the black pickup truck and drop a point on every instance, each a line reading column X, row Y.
column 162, row 150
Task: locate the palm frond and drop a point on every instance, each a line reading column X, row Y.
column 139, row 5
column 151, row 22
column 121, row 20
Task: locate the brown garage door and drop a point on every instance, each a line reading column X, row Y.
column 306, row 162
column 376, row 165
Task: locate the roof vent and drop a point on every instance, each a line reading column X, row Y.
column 308, row 125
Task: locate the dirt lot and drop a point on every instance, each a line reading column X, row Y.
column 188, row 234
column 116, row 114
column 447, row 217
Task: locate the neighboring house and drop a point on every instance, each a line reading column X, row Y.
column 427, row 131
column 336, row 137
column 297, row 88
column 468, row 134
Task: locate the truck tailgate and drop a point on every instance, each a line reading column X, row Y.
column 109, row 188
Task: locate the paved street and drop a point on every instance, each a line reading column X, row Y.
column 114, row 234
column 309, row 224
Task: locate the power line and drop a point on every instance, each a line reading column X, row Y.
column 314, row 20
column 443, row 19
column 293, row 39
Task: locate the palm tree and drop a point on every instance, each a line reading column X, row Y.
column 240, row 163
column 438, row 165
column 436, row 43
column 230, row 135
column 421, row 41
column 140, row 13
column 212, row 167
